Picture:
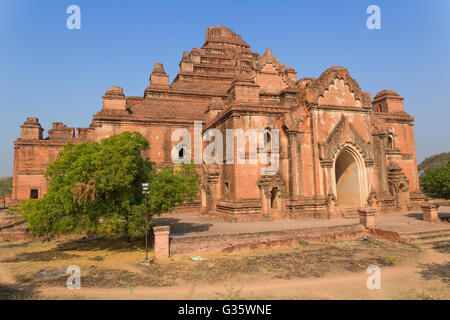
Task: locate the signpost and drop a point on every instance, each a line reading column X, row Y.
column 146, row 192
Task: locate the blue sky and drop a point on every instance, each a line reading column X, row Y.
column 56, row 74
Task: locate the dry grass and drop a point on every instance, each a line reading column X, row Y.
column 115, row 264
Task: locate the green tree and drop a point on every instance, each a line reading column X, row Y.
column 5, row 188
column 436, row 182
column 434, row 161
column 96, row 188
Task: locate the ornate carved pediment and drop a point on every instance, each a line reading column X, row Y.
column 344, row 133
column 335, row 86
column 271, row 74
column 339, row 94
column 269, row 58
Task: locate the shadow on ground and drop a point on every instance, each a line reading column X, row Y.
column 102, row 243
column 444, row 217
column 431, row 271
column 81, row 244
column 445, row 249
column 17, row 292
column 47, row 255
column 177, row 227
column 417, row 216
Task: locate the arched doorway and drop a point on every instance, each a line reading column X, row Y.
column 348, row 176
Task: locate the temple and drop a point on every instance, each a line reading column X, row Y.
column 339, row 150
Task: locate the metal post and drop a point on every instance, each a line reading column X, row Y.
column 146, row 227
column 145, row 192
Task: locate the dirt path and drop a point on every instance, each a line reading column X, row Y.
column 404, row 281
column 5, row 277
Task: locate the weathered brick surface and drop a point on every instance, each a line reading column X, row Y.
column 161, row 242
column 230, row 242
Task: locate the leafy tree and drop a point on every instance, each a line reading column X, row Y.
column 96, row 188
column 170, row 188
column 436, row 182
column 5, row 188
column 434, row 161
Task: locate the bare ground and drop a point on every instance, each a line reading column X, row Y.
column 331, row 270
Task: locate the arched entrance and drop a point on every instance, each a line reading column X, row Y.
column 350, row 178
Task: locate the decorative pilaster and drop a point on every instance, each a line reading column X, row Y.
column 293, row 170
column 327, row 165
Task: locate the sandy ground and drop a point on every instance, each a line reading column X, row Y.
column 111, row 270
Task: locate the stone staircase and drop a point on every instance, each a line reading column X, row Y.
column 349, row 213
column 428, row 239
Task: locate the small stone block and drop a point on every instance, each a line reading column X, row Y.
column 430, row 212
column 162, row 250
column 367, row 217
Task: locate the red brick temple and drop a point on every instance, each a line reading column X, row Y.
column 338, row 149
